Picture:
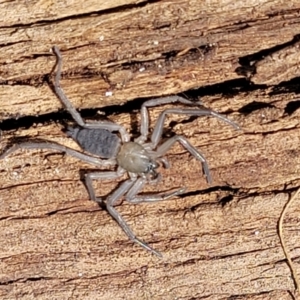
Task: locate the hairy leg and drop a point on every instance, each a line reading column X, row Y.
column 112, row 200
column 74, row 113
column 132, row 196
column 156, row 102
column 57, row 147
column 89, row 177
column 158, row 128
column 162, row 149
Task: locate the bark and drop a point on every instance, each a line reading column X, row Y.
column 219, row 241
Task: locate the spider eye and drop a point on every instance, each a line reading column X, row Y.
column 151, row 173
column 152, row 166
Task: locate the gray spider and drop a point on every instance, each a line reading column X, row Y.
column 139, row 158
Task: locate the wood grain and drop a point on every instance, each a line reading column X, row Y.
column 219, row 241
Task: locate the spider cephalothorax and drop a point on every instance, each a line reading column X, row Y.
column 140, row 158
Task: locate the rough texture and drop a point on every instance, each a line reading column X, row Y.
column 99, row 142
column 220, row 241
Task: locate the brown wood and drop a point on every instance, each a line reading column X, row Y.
column 220, row 241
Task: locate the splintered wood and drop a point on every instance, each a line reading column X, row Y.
column 219, row 241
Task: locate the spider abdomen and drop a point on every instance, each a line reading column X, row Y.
column 100, row 142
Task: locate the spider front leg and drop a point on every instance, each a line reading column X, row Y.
column 158, row 128
column 155, row 102
column 162, row 150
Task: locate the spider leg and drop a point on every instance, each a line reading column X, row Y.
column 89, row 177
column 165, row 162
column 112, row 200
column 132, row 197
column 57, row 147
column 158, row 128
column 155, row 102
column 162, row 149
column 74, row 113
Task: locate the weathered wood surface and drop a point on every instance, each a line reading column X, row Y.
column 219, row 241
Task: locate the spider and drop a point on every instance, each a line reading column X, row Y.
column 109, row 144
